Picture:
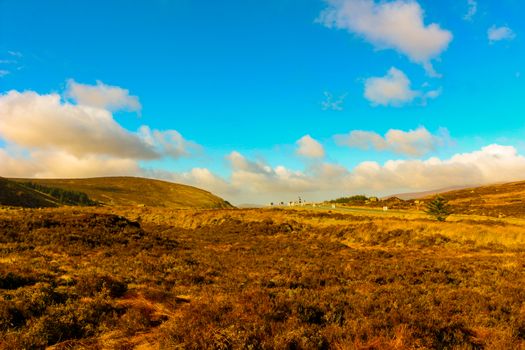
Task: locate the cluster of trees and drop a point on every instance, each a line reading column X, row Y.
column 361, row 199
column 65, row 197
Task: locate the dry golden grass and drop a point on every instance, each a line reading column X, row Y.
column 133, row 191
column 495, row 200
column 92, row 278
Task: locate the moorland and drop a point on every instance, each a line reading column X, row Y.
column 151, row 277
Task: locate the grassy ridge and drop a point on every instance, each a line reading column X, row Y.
column 132, row 191
column 495, row 200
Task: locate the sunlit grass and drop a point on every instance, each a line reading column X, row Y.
column 261, row 279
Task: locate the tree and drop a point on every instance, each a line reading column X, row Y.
column 438, row 208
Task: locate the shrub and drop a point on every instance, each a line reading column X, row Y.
column 438, row 208
column 90, row 285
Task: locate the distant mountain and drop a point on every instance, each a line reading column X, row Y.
column 135, row 191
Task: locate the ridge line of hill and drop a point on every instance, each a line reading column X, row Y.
column 111, row 191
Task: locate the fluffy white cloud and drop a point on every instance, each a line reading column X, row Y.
column 258, row 177
column 472, row 10
column 47, row 137
column 412, row 143
column 104, row 96
column 36, row 121
column 167, row 142
column 309, row 147
column 500, row 33
column 491, row 164
column 393, row 89
column 16, row 166
column 65, row 165
column 56, row 164
column 397, row 25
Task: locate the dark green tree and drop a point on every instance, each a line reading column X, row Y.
column 438, row 208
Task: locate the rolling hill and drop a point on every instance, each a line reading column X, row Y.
column 133, row 191
column 425, row 194
column 496, row 200
column 506, row 199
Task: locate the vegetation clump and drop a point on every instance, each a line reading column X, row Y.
column 64, row 197
column 438, row 208
column 359, row 199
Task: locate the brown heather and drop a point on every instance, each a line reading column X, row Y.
column 151, row 278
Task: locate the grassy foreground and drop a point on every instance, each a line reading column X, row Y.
column 146, row 278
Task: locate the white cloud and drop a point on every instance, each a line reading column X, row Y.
column 36, row 121
column 205, row 179
column 167, row 142
column 472, row 10
column 47, row 137
column 102, row 96
column 393, row 89
column 16, row 166
column 491, row 164
column 432, row 95
column 4, row 72
column 397, row 25
column 57, row 164
column 258, row 177
column 412, row 143
column 309, row 147
column 330, row 103
column 500, row 33
column 65, row 165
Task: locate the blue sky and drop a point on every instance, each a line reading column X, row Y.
column 254, row 77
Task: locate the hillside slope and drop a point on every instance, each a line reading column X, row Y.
column 494, row 200
column 125, row 191
column 425, row 194
column 16, row 195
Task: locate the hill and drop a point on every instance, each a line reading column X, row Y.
column 419, row 195
column 17, row 195
column 493, row 200
column 134, row 191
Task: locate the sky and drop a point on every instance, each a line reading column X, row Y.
column 265, row 101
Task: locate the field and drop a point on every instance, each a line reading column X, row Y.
column 157, row 278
